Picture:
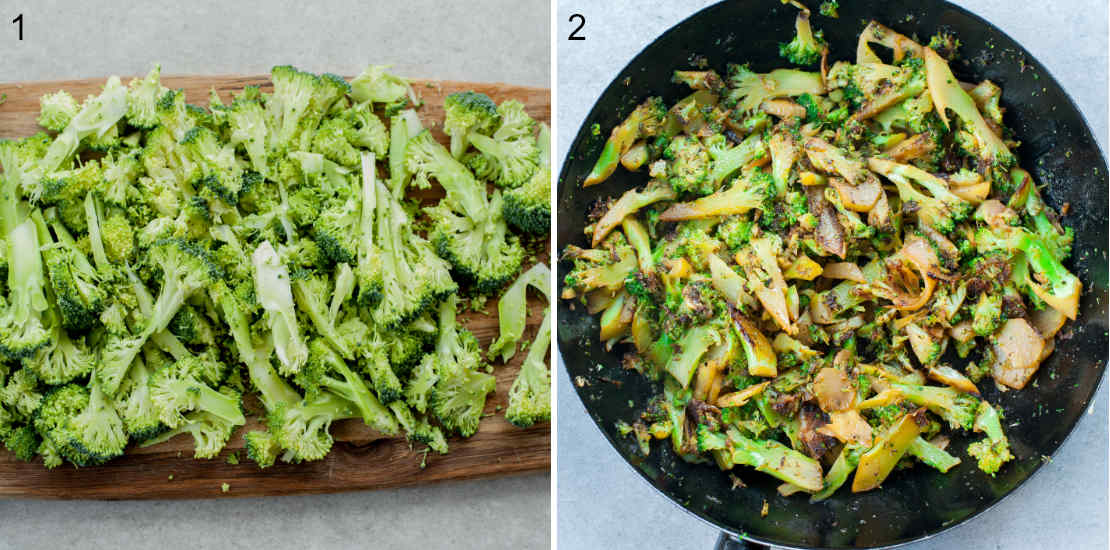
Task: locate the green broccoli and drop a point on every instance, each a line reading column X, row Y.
column 528, row 207
column 469, row 230
column 56, row 110
column 465, row 114
column 459, row 395
column 807, row 46
column 530, row 394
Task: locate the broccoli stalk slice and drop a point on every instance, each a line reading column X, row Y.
column 776, row 459
column 311, row 295
column 272, row 286
column 512, row 310
column 947, row 94
column 644, row 121
column 692, row 347
column 530, row 394
column 955, row 407
column 838, row 473
column 932, row 455
column 403, row 126
column 22, row 332
column 748, row 90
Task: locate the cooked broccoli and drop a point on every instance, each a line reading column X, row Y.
column 807, row 45
column 993, row 450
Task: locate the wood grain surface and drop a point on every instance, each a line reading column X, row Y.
column 361, row 458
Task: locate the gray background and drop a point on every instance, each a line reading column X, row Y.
column 602, row 503
column 486, row 41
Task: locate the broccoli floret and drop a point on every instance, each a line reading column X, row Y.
column 987, row 314
column 459, row 396
column 400, row 276
column 469, row 230
column 689, row 166
column 807, row 45
column 189, row 384
column 1060, row 288
column 511, row 155
column 220, row 171
column 119, row 238
column 418, row 429
column 530, row 394
column 20, row 394
column 994, row 450
column 192, row 327
column 135, row 406
column 940, row 208
column 829, row 8
column 377, row 85
column 81, row 424
column 23, row 442
column 528, row 207
column 420, row 384
column 56, row 110
column 302, row 429
column 142, row 99
column 367, row 130
column 326, row 370
column 467, row 113
column 335, row 231
column 185, row 268
column 210, row 432
column 957, row 408
column 331, row 140
column 77, row 286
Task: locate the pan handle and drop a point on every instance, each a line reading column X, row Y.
column 728, row 542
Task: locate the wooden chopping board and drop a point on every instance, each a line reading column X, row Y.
column 360, row 458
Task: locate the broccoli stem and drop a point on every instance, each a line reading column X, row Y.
column 776, row 459
column 843, row 467
column 932, row 455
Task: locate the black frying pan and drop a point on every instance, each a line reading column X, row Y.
column 912, row 504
